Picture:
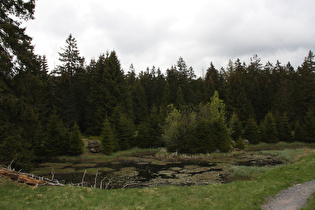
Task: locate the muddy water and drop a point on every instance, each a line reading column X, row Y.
column 148, row 171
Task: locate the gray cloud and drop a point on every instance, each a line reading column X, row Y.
column 157, row 33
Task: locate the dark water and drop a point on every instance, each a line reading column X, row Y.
column 141, row 176
column 140, row 172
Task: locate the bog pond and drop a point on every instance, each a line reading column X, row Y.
column 150, row 168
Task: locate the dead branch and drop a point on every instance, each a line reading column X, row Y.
column 101, row 184
column 10, row 165
column 29, row 179
column 108, row 183
column 52, row 174
column 82, row 182
column 95, row 178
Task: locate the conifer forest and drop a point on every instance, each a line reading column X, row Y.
column 44, row 112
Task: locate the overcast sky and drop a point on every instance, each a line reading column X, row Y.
column 147, row 33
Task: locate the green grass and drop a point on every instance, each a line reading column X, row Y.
column 279, row 146
column 87, row 156
column 246, row 172
column 310, row 203
column 289, row 155
column 242, row 194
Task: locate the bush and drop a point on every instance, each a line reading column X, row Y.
column 240, row 143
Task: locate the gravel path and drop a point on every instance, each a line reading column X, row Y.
column 293, row 198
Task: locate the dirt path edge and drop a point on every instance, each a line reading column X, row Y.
column 292, row 198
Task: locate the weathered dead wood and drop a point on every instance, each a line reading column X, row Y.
column 29, row 179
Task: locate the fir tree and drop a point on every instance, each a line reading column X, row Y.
column 124, row 130
column 173, row 129
column 240, row 143
column 76, row 144
column 269, row 130
column 140, row 106
column 71, row 60
column 308, row 128
column 16, row 51
column 251, row 131
column 299, row 135
column 283, row 128
column 150, row 131
column 236, row 127
column 58, row 137
column 108, row 140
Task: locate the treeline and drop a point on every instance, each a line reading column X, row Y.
column 43, row 113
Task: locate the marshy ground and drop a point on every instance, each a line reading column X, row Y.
column 149, row 168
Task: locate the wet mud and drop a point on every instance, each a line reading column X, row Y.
column 146, row 170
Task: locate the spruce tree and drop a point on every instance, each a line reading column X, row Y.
column 236, row 127
column 140, row 106
column 212, row 82
column 240, row 143
column 58, row 137
column 308, row 128
column 76, row 144
column 283, row 128
column 68, row 89
column 201, row 141
column 214, row 116
column 39, row 140
column 299, row 134
column 150, row 131
column 251, row 131
column 220, row 135
column 124, row 130
column 269, row 130
column 237, row 97
column 16, row 51
column 108, row 140
column 307, row 82
column 173, row 129
column 70, row 58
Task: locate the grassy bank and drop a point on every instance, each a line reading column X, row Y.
column 236, row 195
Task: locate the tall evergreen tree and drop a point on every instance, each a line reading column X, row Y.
column 236, row 127
column 124, row 131
column 305, row 132
column 283, row 128
column 108, row 140
column 269, row 130
column 307, row 82
column 237, row 99
column 16, row 51
column 17, row 62
column 57, row 137
column 70, row 57
column 150, row 131
column 76, row 144
column 140, row 106
column 251, row 131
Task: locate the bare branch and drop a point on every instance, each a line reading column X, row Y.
column 83, row 178
column 95, row 178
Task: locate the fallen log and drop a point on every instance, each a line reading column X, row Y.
column 28, row 179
